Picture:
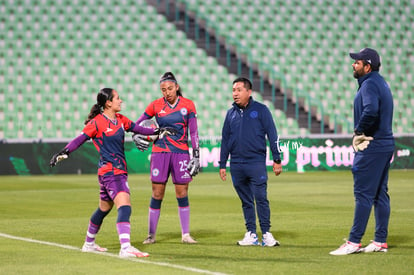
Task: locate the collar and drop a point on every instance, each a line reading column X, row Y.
column 365, row 77
column 251, row 100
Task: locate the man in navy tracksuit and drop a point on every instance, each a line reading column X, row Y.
column 373, row 143
column 244, row 133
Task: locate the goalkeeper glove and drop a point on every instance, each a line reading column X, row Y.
column 166, row 131
column 141, row 142
column 360, row 142
column 58, row 157
column 193, row 166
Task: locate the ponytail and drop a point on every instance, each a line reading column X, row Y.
column 104, row 95
column 95, row 110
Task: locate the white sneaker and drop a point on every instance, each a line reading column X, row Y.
column 186, row 238
column 376, row 247
column 347, row 248
column 249, row 239
column 92, row 247
column 132, row 252
column 149, row 240
column 269, row 240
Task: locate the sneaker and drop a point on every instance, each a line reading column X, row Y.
column 376, row 247
column 132, row 252
column 149, row 240
column 92, row 247
column 347, row 248
column 269, row 240
column 187, row 238
column 249, row 239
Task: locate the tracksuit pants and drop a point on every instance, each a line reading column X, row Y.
column 370, row 172
column 250, row 183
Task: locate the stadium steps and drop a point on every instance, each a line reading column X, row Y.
column 177, row 17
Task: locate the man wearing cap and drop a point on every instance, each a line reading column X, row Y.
column 373, row 143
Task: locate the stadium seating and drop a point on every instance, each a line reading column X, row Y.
column 309, row 42
column 56, row 55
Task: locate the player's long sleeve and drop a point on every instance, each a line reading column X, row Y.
column 142, row 130
column 76, row 142
column 143, row 117
column 224, row 150
column 272, row 135
column 192, row 125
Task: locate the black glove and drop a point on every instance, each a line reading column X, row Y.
column 63, row 154
column 193, row 166
column 166, row 131
column 141, row 142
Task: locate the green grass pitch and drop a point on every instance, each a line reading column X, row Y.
column 311, row 214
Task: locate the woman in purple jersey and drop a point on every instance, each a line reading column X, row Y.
column 170, row 154
column 107, row 130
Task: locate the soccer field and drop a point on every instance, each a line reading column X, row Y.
column 43, row 220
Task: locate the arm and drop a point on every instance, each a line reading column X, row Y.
column 224, row 150
column 271, row 133
column 144, row 116
column 76, row 143
column 194, row 164
column 192, row 125
column 69, row 148
column 370, row 109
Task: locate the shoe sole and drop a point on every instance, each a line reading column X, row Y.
column 381, row 250
column 356, row 252
column 135, row 255
column 276, row 244
column 250, row 244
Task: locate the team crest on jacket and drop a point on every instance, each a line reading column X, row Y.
column 254, row 114
column 183, row 111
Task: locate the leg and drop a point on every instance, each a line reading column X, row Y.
column 159, row 177
column 259, row 184
column 181, row 192
column 366, row 183
column 158, row 191
column 96, row 220
column 181, row 180
column 382, row 204
column 244, row 190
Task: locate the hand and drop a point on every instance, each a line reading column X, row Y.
column 223, row 175
column 58, row 157
column 277, row 168
column 193, row 166
column 141, row 142
column 360, row 142
column 166, row 131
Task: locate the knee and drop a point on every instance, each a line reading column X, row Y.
column 158, row 193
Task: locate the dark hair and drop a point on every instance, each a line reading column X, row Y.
column 247, row 84
column 103, row 95
column 365, row 62
column 169, row 76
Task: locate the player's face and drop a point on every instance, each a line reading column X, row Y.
column 360, row 69
column 169, row 91
column 241, row 95
column 115, row 104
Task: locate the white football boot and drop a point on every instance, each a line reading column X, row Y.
column 249, row 239
column 347, row 248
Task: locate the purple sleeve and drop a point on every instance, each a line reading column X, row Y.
column 192, row 125
column 144, row 116
column 76, row 142
column 142, row 130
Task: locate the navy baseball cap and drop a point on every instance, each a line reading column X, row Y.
column 369, row 55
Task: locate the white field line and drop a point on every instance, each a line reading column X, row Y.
column 195, row 270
